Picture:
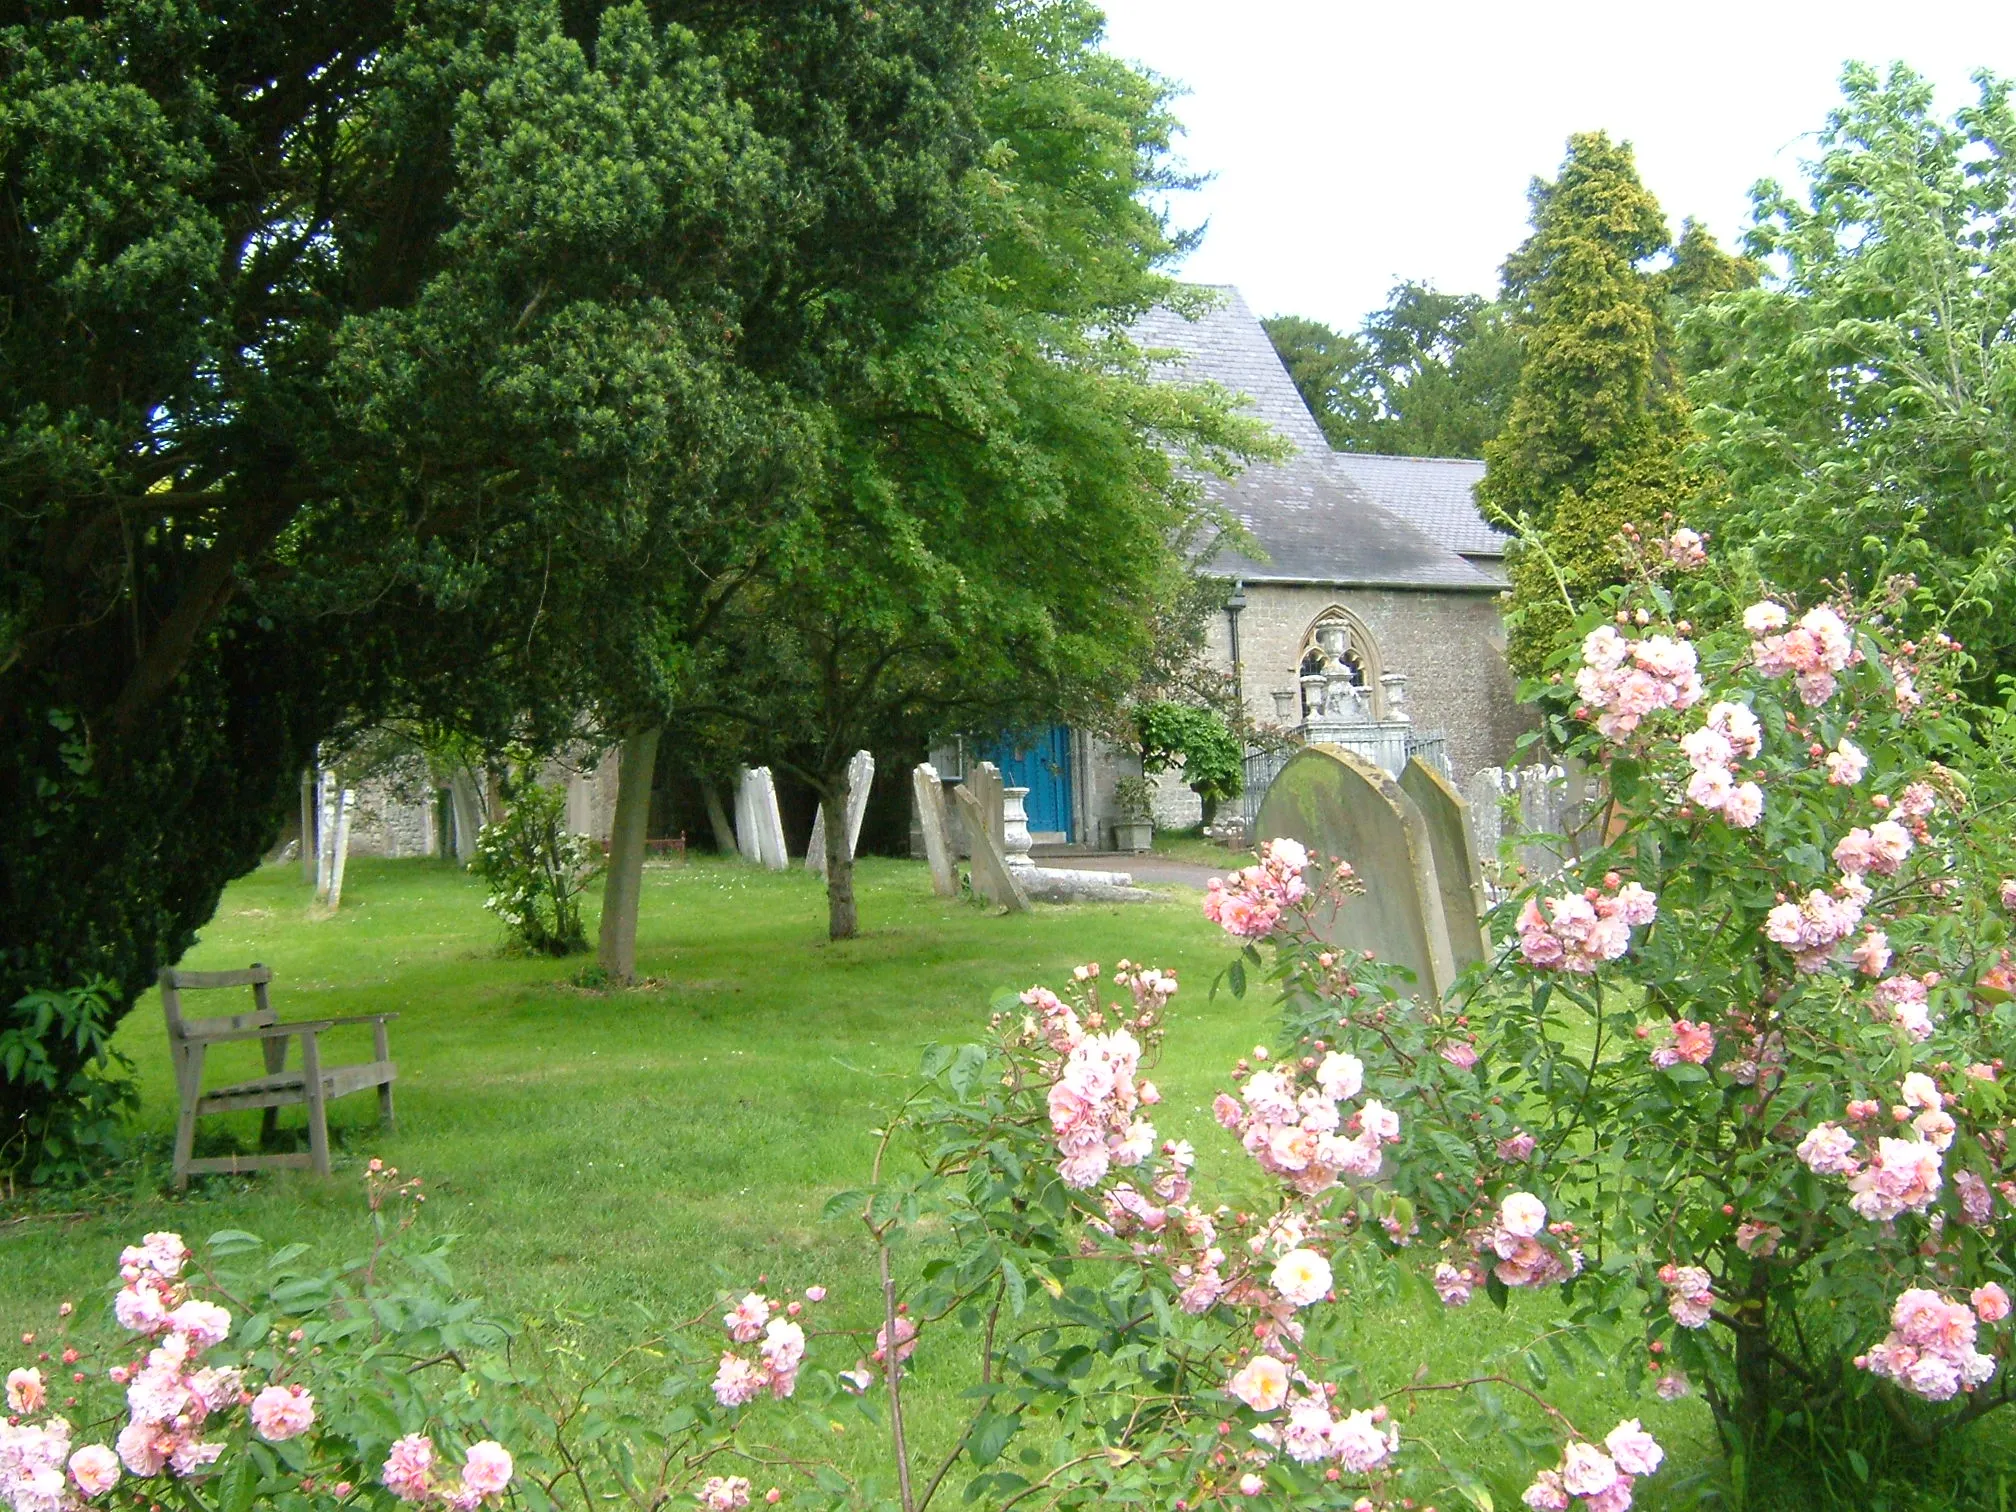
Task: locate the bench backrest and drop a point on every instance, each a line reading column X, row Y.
column 175, row 983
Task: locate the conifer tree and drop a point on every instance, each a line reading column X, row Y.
column 1593, row 441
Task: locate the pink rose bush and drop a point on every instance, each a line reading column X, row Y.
column 192, row 1408
column 1788, row 893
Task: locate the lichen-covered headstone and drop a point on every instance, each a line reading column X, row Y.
column 1457, row 872
column 1338, row 804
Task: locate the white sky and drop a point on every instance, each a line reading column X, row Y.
column 1356, row 144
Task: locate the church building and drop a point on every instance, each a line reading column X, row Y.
column 1380, row 568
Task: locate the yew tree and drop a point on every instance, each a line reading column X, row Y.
column 368, row 359
column 1594, row 437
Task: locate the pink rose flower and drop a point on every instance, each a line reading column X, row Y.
column 95, row 1469
column 408, row 1467
column 1262, row 1383
column 282, row 1412
column 487, row 1468
column 25, row 1391
column 1991, row 1303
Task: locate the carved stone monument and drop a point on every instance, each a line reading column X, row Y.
column 1337, row 803
column 930, row 796
column 860, row 777
column 1457, row 872
column 992, row 877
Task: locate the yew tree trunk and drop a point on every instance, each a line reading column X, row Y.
column 623, row 884
column 841, row 921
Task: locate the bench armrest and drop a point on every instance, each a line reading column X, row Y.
column 271, row 1031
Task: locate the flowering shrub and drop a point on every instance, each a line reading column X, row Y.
column 1747, row 1051
column 537, row 870
column 250, row 1377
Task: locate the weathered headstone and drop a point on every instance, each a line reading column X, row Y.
column 991, row 876
column 325, row 831
column 766, row 821
column 930, row 796
column 984, row 783
column 465, row 802
column 1457, row 872
column 860, row 778
column 1337, row 803
column 339, row 850
column 745, row 816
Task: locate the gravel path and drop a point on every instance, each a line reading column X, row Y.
column 1148, row 870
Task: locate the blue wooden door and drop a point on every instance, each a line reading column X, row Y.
column 1040, row 760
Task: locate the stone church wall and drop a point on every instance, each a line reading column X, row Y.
column 1450, row 645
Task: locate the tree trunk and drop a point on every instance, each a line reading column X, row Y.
column 624, row 881
column 841, row 922
column 717, row 818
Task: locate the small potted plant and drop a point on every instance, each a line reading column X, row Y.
column 1134, row 821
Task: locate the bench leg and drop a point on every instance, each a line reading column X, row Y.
column 189, row 1083
column 276, row 1062
column 381, row 1045
column 318, row 1124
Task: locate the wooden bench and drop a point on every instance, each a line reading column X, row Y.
column 189, row 1040
column 663, row 845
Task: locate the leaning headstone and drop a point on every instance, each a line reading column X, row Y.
column 1457, row 872
column 766, row 824
column 991, row 876
column 1337, row 803
column 930, row 796
column 745, row 825
column 860, row 778
column 339, row 851
column 984, row 783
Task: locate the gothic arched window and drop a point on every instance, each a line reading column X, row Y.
column 1339, row 634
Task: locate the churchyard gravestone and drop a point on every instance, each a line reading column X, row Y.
column 760, row 831
column 1339, row 804
column 1457, row 872
column 860, row 778
column 745, row 818
column 984, row 783
column 991, row 876
column 930, row 795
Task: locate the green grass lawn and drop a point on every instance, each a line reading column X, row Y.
column 1190, row 845
column 598, row 1149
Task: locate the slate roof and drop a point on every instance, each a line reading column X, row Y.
column 1436, row 495
column 1316, row 521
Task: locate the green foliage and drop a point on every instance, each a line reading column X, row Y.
column 462, row 356
column 1859, row 404
column 1428, row 375
column 536, row 870
column 998, row 523
column 77, row 1090
column 1593, row 439
column 1197, row 740
column 1134, row 799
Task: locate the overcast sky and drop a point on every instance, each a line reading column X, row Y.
column 1356, row 144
